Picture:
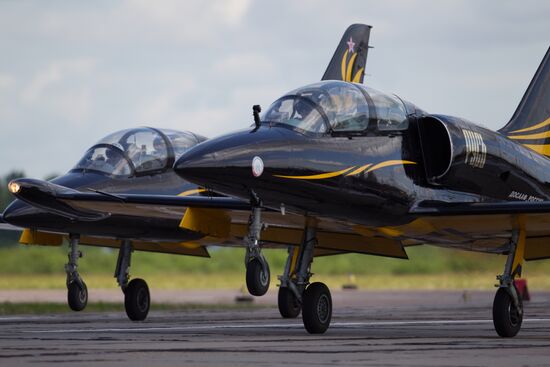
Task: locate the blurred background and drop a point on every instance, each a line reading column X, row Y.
column 72, row 72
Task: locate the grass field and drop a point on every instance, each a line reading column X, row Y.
column 473, row 281
column 32, row 267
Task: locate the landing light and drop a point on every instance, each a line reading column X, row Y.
column 14, row 187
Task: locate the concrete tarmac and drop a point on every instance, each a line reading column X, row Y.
column 368, row 328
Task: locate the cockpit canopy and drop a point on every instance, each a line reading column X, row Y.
column 137, row 151
column 337, row 106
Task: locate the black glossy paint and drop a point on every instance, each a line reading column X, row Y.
column 385, row 196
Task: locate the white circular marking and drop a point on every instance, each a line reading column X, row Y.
column 257, row 166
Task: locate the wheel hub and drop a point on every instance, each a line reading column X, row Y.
column 323, row 308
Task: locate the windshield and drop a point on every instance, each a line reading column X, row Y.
column 107, row 159
column 298, row 112
column 146, row 148
column 339, row 107
column 317, row 107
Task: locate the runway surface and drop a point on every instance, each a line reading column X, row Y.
column 387, row 329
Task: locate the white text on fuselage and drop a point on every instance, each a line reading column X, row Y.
column 523, row 197
column 476, row 150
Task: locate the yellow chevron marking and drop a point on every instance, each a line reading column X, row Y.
column 344, row 61
column 352, row 170
column 319, row 176
column 350, row 67
column 191, row 192
column 387, row 164
column 359, row 170
column 537, row 126
column 543, row 135
column 357, row 76
column 541, row 149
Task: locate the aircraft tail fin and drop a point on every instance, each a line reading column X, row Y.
column 349, row 59
column 530, row 124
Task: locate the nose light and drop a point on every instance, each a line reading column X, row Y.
column 14, row 187
column 257, row 166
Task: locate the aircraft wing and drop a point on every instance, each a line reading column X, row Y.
column 222, row 218
column 7, row 227
column 483, row 226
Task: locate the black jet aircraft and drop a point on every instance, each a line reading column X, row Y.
column 134, row 161
column 342, row 155
column 124, row 193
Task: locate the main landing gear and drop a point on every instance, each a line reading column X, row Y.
column 137, row 299
column 508, row 305
column 297, row 294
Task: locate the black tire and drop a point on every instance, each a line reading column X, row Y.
column 77, row 297
column 257, row 281
column 137, row 300
column 506, row 318
column 289, row 306
column 316, row 308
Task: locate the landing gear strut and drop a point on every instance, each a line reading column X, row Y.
column 77, row 292
column 296, row 293
column 137, row 299
column 508, row 305
column 257, row 268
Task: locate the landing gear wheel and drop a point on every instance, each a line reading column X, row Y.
column 506, row 317
column 289, row 306
column 77, row 296
column 257, row 280
column 137, row 300
column 316, row 308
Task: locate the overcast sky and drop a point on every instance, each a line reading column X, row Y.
column 72, row 72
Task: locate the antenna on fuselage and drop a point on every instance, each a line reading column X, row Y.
column 256, row 109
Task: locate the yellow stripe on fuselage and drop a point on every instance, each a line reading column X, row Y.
column 319, row 176
column 352, row 170
column 191, row 192
column 359, row 170
column 387, row 164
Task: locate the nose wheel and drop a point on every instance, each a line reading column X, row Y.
column 77, row 296
column 257, row 277
column 77, row 292
column 257, row 268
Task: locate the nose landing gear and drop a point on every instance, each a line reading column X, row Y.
column 77, row 292
column 257, row 270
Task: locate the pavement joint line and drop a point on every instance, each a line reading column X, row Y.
column 264, row 326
